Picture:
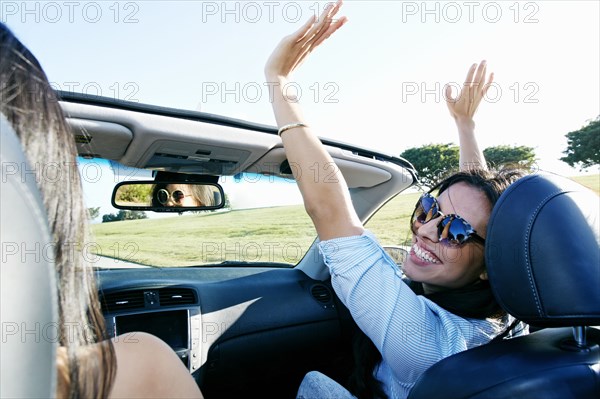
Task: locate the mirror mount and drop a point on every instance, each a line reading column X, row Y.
column 161, row 176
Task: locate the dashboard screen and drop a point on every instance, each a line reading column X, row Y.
column 171, row 326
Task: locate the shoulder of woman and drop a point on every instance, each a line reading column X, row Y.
column 148, row 367
column 139, row 343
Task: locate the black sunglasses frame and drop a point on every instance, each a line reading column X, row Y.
column 176, row 197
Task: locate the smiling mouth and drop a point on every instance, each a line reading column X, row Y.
column 424, row 255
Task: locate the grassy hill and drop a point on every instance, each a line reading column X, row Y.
column 278, row 234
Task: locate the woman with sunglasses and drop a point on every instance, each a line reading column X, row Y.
column 182, row 195
column 446, row 306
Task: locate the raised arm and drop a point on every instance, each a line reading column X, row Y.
column 322, row 185
column 462, row 108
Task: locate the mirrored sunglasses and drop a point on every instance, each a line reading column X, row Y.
column 453, row 230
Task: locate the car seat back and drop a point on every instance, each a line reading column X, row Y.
column 28, row 302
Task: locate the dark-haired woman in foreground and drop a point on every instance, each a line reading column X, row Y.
column 136, row 365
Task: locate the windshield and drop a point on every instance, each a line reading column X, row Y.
column 263, row 221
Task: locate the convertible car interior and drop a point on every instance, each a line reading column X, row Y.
column 245, row 327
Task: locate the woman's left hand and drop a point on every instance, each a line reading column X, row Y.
column 463, row 107
column 294, row 48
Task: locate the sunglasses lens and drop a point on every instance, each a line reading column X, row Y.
column 178, row 195
column 427, row 209
column 454, row 231
column 162, row 196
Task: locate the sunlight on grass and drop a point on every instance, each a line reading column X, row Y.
column 590, row 181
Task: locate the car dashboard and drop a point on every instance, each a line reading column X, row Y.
column 237, row 330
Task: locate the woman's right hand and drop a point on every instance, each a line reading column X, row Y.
column 294, row 48
column 326, row 197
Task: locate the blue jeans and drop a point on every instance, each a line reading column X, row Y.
column 316, row 385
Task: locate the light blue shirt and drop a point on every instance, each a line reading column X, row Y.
column 410, row 331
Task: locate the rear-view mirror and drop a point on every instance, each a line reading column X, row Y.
column 168, row 196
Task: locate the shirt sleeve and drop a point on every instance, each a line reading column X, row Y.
column 411, row 332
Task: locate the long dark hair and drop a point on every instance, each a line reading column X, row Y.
column 31, row 106
column 475, row 300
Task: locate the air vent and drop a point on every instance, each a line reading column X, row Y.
column 124, row 300
column 176, row 296
column 321, row 293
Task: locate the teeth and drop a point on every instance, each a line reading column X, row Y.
column 423, row 255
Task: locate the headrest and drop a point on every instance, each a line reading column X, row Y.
column 28, row 302
column 543, row 253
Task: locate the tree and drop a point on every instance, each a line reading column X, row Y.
column 583, row 146
column 93, row 213
column 504, row 155
column 134, row 215
column 433, row 161
column 123, row 215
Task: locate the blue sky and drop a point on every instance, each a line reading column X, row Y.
column 378, row 82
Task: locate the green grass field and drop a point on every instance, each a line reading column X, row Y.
column 590, row 181
column 279, row 234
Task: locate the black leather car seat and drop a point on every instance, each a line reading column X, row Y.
column 28, row 284
column 543, row 259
